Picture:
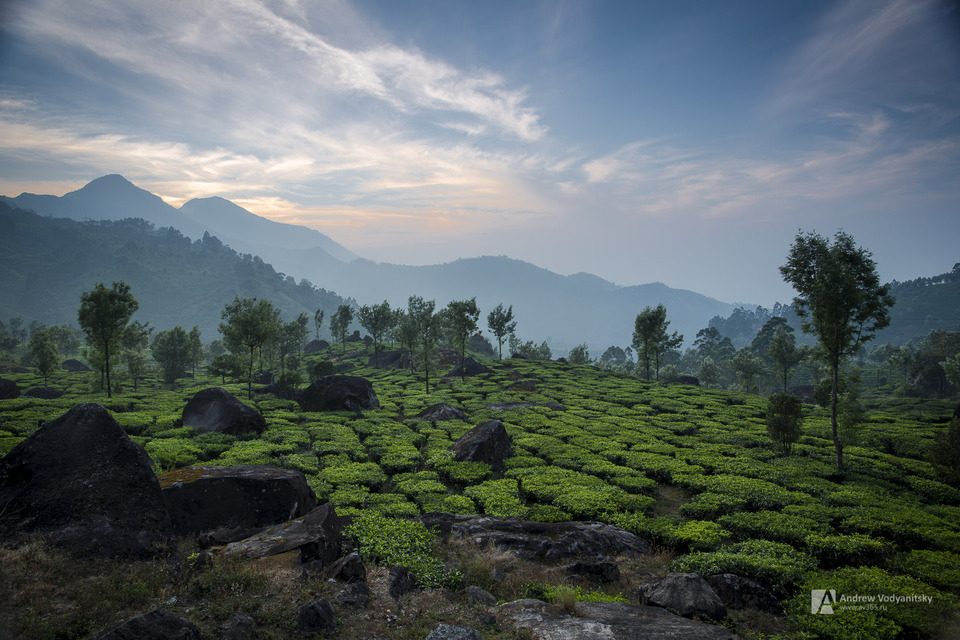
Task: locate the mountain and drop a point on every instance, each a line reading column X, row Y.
column 46, row 263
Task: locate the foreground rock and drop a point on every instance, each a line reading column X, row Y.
column 441, row 411
column 217, row 410
column 449, row 632
column 687, row 594
column 43, row 393
column 487, row 442
column 156, row 625
column 610, row 621
column 242, row 497
column 84, row 485
column 8, row 389
column 737, row 592
column 316, row 617
column 339, row 393
column 547, row 541
column 316, row 535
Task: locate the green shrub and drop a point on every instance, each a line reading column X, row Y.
column 774, row 564
column 770, row 525
column 498, row 497
column 856, row 549
column 939, row 568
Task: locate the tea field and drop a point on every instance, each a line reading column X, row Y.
column 690, row 469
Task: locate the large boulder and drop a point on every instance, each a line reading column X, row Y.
column 80, row 482
column 688, row 594
column 156, row 625
column 315, row 345
column 467, row 367
column 487, row 442
column 74, row 366
column 216, row 409
column 398, row 359
column 316, row 617
column 43, row 393
column 441, row 411
column 339, row 393
column 250, row 496
column 738, row 592
column 8, row 389
column 316, row 535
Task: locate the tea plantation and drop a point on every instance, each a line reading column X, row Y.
column 690, row 469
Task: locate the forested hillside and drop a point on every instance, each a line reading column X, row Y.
column 48, row 262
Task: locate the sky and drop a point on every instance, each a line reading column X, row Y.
column 679, row 142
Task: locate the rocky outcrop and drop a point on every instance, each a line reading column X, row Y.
column 316, row 617
column 355, row 594
column 84, row 485
column 738, row 592
column 74, row 366
column 236, row 498
column 480, row 596
column 316, row 535
column 549, row 541
column 218, row 410
column 441, row 411
column 467, row 367
column 401, row 582
column 43, row 393
column 315, row 345
column 687, row 594
column 339, row 393
column 449, row 632
column 397, row 359
column 608, row 620
column 8, row 389
column 239, row 627
column 487, row 442
column 156, row 625
column 598, row 572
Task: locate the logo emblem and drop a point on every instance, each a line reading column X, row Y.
column 822, row 600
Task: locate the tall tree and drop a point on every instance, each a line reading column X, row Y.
column 427, row 326
column 784, row 354
column 748, row 367
column 196, row 349
column 651, row 340
column 840, row 300
column 247, row 325
column 462, row 316
column 378, row 320
column 103, row 316
column 318, row 321
column 172, row 349
column 135, row 340
column 291, row 338
column 501, row 324
column 46, row 355
column 340, row 324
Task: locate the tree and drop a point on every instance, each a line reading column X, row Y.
column 501, row 324
column 840, row 300
column 580, row 354
column 318, row 321
column 951, row 369
column 247, row 325
column 135, row 341
column 709, row 372
column 340, row 324
column 196, row 349
column 103, row 316
column 946, row 453
column 290, row 340
column 46, row 356
column 426, row 326
column 378, row 320
column 651, row 340
column 784, row 420
column 461, row 317
column 784, row 354
column 172, row 350
column 748, row 367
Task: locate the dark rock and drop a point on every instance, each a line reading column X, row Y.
column 510, row 406
column 688, row 594
column 487, row 442
column 5, row 368
column 355, row 594
column 480, row 596
column 349, row 568
column 315, row 345
column 561, row 360
column 225, row 535
column 74, row 366
column 401, row 582
column 691, row 380
column 609, row 620
column 83, row 484
column 231, row 501
column 441, row 411
column 398, row 359
column 538, row 541
column 44, row 393
column 803, row 391
column 8, row 389
column 156, row 625
column 737, row 592
column 265, row 377
column 339, row 393
column 240, row 627
column 316, row 535
column 316, row 617
column 217, row 410
column 449, row 632
column 595, row 571
column 467, row 367
column 280, row 390
column 523, row 385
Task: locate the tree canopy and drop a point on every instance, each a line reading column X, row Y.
column 103, row 316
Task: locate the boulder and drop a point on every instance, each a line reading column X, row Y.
column 487, row 442
column 523, row 385
column 44, row 393
column 349, row 568
column 594, row 571
column 239, row 627
column 691, row 380
column 280, row 390
column 355, row 594
column 467, row 367
column 480, row 596
column 449, row 632
column 315, row 345
column 339, row 393
column 401, row 582
column 215, row 409
column 607, row 620
column 250, row 496
column 441, row 411
column 539, row 541
column 8, row 389
column 688, row 594
column 738, row 592
column 316, row 535
column 397, row 359
column 74, row 366
column 156, row 625
column 316, row 617
column 83, row 484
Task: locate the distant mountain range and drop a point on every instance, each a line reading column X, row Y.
column 565, row 310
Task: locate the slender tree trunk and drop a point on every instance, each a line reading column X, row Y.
column 106, row 366
column 834, row 392
column 250, row 376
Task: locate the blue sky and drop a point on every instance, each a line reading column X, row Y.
column 681, row 142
